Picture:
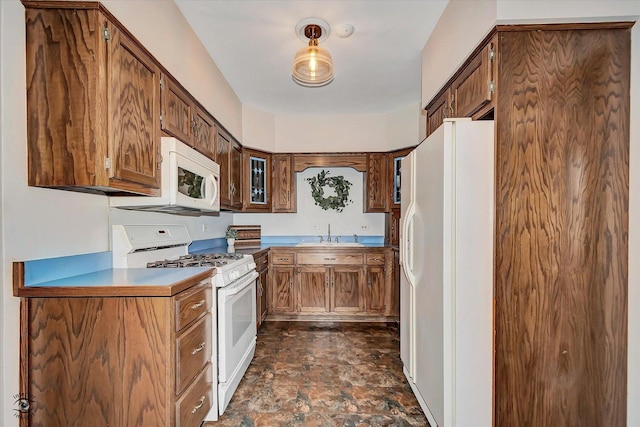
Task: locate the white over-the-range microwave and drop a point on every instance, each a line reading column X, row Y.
column 190, row 184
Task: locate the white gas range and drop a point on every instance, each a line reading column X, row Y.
column 166, row 246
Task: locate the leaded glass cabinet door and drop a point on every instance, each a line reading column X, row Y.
column 257, row 176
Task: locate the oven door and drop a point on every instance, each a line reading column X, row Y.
column 236, row 324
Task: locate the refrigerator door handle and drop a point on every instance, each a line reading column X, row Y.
column 406, row 249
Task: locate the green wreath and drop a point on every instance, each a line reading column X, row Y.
column 338, row 183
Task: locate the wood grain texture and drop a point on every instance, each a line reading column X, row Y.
column 62, row 89
column 76, row 376
column 236, row 175
column 312, row 289
column 248, row 205
column 176, row 108
column 471, row 90
column 223, row 158
column 281, row 289
column 204, row 132
column 357, row 161
column 193, row 351
column 134, row 106
column 562, row 228
column 283, row 184
column 438, row 110
column 346, row 294
column 376, row 197
column 375, row 290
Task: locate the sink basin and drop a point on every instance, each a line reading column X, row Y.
column 332, row 244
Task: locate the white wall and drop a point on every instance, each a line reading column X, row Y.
column 258, row 129
column 405, row 127
column 312, row 220
column 462, row 26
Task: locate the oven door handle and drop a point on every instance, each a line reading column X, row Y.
column 236, row 288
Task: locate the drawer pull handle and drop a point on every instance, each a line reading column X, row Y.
column 199, row 348
column 199, row 405
column 329, row 259
column 198, row 305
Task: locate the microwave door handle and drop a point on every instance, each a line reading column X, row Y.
column 214, row 188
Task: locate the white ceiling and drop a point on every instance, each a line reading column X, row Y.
column 377, row 69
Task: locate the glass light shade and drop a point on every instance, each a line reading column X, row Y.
column 312, row 67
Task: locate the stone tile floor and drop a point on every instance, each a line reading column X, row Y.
column 324, row 374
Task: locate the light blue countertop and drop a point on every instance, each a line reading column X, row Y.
column 122, row 282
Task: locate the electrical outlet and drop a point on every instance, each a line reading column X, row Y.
column 364, row 227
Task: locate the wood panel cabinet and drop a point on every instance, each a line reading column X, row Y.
column 204, row 132
column 118, row 361
column 376, row 196
column 176, row 110
column 262, row 301
column 229, row 157
column 438, row 110
column 473, row 90
column 257, row 181
column 283, row 184
column 332, row 282
column 281, row 290
column 93, row 102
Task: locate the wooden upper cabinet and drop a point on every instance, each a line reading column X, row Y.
column 223, row 158
column 257, row 180
column 473, row 90
column 204, row 132
column 93, row 103
column 236, row 175
column 176, row 110
column 182, row 118
column 376, row 196
column 438, row 110
column 283, row 183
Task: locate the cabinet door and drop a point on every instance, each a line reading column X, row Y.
column 438, row 110
column 176, row 110
column 281, row 290
column 473, row 89
column 261, row 298
column 223, row 158
column 204, row 133
column 235, row 184
column 345, row 289
column 374, row 293
column 257, row 180
column 283, row 183
column 395, row 171
column 312, row 289
column 376, row 198
column 134, row 111
column 393, row 227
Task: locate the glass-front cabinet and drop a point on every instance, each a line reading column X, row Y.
column 257, row 178
column 395, row 162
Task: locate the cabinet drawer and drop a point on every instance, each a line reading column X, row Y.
column 327, row 258
column 193, row 351
column 192, row 304
column 375, row 259
column 262, row 262
column 282, row 258
column 196, row 401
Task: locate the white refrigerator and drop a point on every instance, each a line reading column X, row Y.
column 446, row 287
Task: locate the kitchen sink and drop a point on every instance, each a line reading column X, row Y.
column 332, row 244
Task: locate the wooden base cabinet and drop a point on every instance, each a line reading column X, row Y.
column 118, row 361
column 332, row 282
column 262, row 301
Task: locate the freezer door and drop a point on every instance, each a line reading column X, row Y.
column 406, row 263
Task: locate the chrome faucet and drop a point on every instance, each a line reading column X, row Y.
column 329, row 233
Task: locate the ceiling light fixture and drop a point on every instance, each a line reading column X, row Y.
column 312, row 65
